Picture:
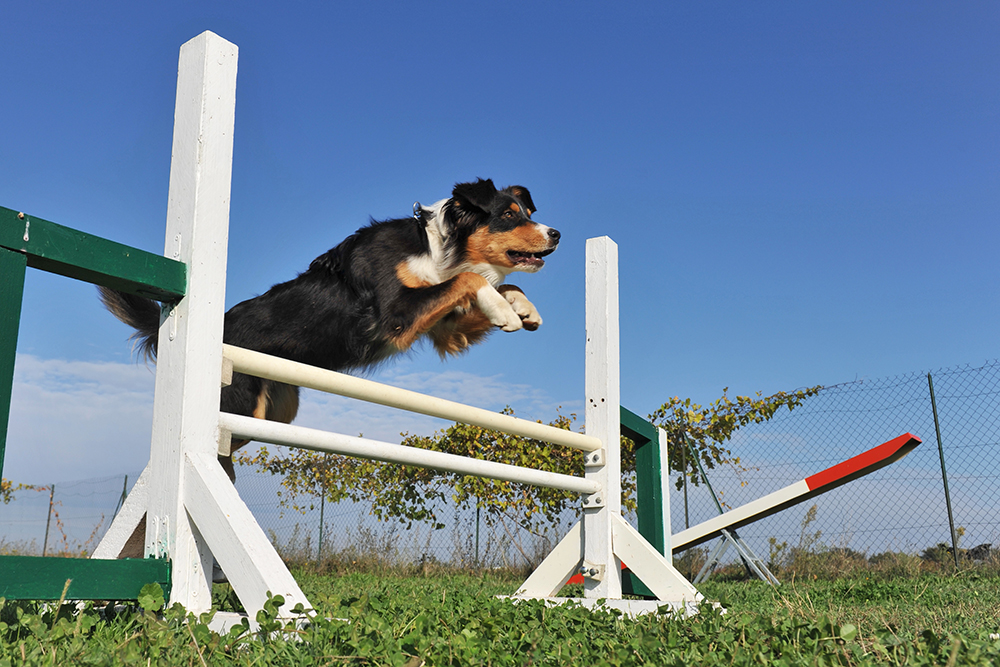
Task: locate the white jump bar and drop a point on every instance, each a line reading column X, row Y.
column 323, row 441
column 291, row 372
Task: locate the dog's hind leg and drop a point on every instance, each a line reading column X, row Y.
column 275, row 402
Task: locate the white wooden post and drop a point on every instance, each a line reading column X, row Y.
column 601, row 570
column 193, row 509
column 189, row 356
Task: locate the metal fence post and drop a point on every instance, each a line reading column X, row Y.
column 477, row 532
column 684, row 479
column 48, row 521
column 322, row 507
column 944, row 472
column 121, row 499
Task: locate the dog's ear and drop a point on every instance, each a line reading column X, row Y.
column 522, row 193
column 473, row 199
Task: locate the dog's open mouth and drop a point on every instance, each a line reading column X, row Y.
column 528, row 258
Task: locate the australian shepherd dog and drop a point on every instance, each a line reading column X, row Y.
column 437, row 275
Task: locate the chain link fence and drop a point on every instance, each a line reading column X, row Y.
column 946, row 488
column 64, row 518
column 901, row 508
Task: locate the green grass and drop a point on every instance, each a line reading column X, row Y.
column 967, row 604
column 442, row 618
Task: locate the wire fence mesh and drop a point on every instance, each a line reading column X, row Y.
column 900, row 508
column 65, row 518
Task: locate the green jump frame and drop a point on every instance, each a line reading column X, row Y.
column 27, row 241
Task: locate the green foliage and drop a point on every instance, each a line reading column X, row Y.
column 457, row 620
column 891, row 615
column 151, row 597
column 8, row 489
column 942, row 553
column 708, row 428
column 410, row 494
column 813, row 559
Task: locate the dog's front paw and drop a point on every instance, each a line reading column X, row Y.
column 497, row 309
column 526, row 310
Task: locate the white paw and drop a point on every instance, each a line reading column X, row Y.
column 524, row 308
column 497, row 309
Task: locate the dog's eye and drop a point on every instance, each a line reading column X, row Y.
column 508, row 214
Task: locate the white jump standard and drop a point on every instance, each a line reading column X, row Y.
column 194, row 514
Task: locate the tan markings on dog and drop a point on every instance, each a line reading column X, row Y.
column 460, row 294
column 453, row 335
column 514, row 207
column 407, row 277
column 277, row 402
column 485, row 247
column 482, row 247
column 283, row 404
column 531, row 235
column 518, row 192
column 260, row 411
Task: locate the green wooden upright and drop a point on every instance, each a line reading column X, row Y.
column 28, row 241
column 12, row 269
column 649, row 494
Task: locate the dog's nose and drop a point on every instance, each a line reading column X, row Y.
column 554, row 234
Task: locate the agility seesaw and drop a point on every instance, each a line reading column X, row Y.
column 653, row 496
column 802, row 490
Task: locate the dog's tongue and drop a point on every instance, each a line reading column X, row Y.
column 525, row 258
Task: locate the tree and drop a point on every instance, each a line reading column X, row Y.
column 409, row 493
column 706, row 430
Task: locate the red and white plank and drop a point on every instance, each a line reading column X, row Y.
column 810, row 487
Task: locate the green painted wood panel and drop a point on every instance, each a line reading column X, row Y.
column 68, row 252
column 36, row 578
column 648, row 491
column 12, row 269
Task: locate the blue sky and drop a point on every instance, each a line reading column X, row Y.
column 802, row 193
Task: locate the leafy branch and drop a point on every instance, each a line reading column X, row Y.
column 708, row 429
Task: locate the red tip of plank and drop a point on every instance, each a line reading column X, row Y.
column 864, row 463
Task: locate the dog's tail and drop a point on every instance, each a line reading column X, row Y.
column 138, row 312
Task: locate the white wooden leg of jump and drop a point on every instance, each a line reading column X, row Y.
column 189, row 356
column 652, row 568
column 234, row 536
column 602, row 571
column 126, row 521
column 556, row 569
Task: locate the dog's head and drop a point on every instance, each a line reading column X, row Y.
column 494, row 227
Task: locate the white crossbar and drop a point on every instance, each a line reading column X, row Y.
column 323, row 441
column 291, row 372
